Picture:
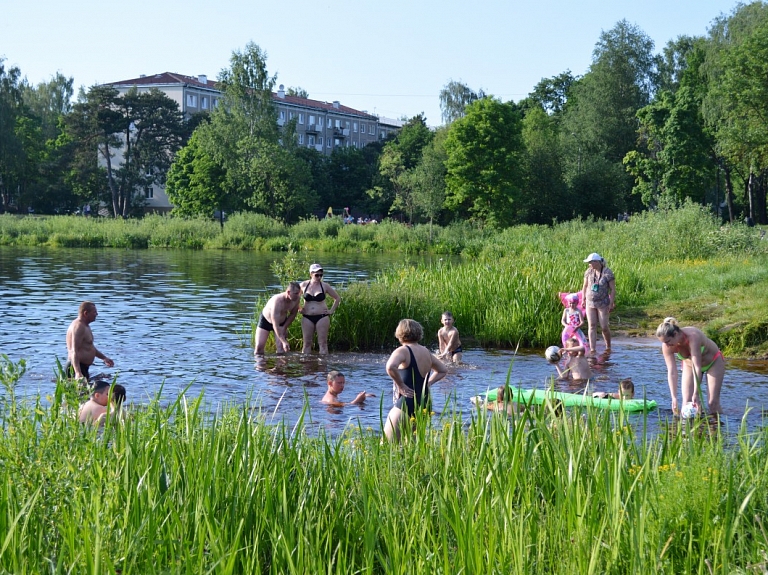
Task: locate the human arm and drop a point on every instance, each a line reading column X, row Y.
column 107, row 361
column 359, row 399
column 695, row 342
column 398, row 356
column 584, row 287
column 438, row 370
column 564, row 318
column 335, row 296
column 669, row 359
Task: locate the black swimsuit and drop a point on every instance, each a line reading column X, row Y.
column 314, row 318
column 413, row 379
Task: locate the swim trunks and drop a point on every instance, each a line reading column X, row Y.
column 70, row 370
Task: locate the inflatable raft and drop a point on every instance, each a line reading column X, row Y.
column 539, row 396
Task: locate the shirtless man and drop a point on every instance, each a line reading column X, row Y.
column 277, row 315
column 80, row 349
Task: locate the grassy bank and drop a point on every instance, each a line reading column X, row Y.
column 679, row 263
column 179, row 490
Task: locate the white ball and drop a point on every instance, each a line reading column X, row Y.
column 552, row 353
column 689, row 410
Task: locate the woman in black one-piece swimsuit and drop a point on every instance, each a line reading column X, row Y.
column 413, row 369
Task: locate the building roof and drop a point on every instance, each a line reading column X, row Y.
column 170, row 78
column 390, row 122
column 166, row 78
column 324, row 106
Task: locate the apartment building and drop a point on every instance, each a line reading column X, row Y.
column 324, row 126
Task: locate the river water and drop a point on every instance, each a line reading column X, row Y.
column 175, row 320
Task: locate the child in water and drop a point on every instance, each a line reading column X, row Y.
column 336, row 381
column 503, row 403
column 626, row 391
column 577, row 366
column 572, row 320
column 448, row 340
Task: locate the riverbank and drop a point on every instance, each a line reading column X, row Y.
column 503, row 288
column 177, row 489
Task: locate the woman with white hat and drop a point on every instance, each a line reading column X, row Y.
column 316, row 315
column 599, row 291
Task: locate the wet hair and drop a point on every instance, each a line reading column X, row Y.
column 294, row 285
column 118, row 394
column 448, row 314
column 500, row 393
column 668, row 328
column 333, row 374
column 85, row 306
column 626, row 388
column 409, row 330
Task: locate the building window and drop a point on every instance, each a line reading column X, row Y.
column 336, row 142
column 372, row 128
column 338, row 123
column 301, row 138
column 311, row 140
column 312, row 120
column 329, row 122
column 346, row 125
column 362, row 128
column 328, row 141
column 354, row 127
column 301, row 118
column 204, row 102
column 149, row 192
column 192, row 100
column 215, row 102
column 320, row 140
column 282, row 115
column 290, row 115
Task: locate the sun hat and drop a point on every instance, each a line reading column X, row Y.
column 315, row 268
column 593, row 257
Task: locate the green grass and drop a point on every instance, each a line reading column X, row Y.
column 192, row 488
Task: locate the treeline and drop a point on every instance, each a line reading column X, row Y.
column 638, row 130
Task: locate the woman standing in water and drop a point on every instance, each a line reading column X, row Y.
column 315, row 313
column 599, row 294
column 699, row 355
column 413, row 369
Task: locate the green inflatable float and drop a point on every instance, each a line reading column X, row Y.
column 539, row 396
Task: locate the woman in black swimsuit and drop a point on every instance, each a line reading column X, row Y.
column 315, row 312
column 413, row 370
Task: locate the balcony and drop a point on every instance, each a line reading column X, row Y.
column 341, row 132
column 313, row 128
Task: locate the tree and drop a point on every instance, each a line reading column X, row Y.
column 552, row 93
column 544, row 193
column 263, row 167
column 298, row 92
column 135, row 136
column 454, row 99
column 12, row 156
column 195, row 184
column 484, row 164
column 427, row 179
column 599, row 125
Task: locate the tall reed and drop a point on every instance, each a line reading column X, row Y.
column 190, row 488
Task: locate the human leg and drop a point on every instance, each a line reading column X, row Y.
column 686, row 382
column 392, row 426
column 592, row 319
column 323, row 327
column 262, row 335
column 307, row 335
column 715, row 376
column 605, row 326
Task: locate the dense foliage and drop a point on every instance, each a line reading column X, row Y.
column 638, row 129
column 191, row 488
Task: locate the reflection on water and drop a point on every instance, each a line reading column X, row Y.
column 176, row 319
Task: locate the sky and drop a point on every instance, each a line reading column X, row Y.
column 389, row 58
